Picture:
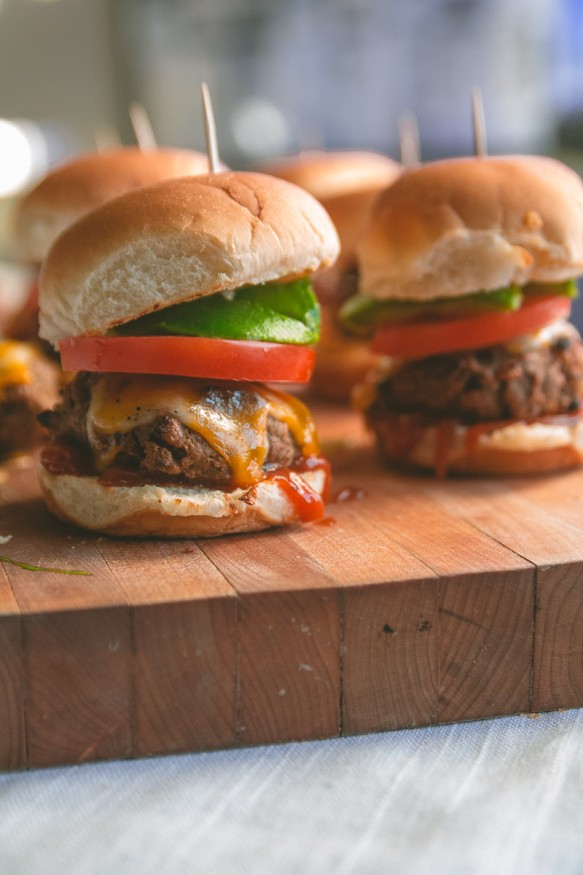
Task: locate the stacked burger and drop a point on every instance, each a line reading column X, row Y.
column 467, row 275
column 77, row 187
column 174, row 303
column 29, row 379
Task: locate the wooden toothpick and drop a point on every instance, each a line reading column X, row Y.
column 409, row 140
column 210, row 130
column 142, row 127
column 480, row 144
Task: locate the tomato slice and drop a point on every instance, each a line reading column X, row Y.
column 421, row 339
column 205, row 357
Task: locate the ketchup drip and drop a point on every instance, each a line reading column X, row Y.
column 317, row 463
column 118, row 476
column 308, row 504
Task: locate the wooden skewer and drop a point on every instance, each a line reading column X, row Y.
column 142, row 127
column 210, row 130
column 480, row 144
column 409, row 140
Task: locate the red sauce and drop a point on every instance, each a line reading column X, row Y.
column 308, row 504
column 326, row 521
column 61, row 458
column 118, row 476
column 317, row 463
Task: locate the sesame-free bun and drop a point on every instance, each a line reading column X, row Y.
column 327, row 174
column 448, row 447
column 346, row 183
column 78, row 186
column 176, row 241
column 169, row 512
column 469, row 224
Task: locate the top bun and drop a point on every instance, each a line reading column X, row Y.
column 73, row 189
column 346, row 183
column 176, row 241
column 327, row 174
column 468, row 224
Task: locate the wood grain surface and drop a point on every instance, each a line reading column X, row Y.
column 415, row 602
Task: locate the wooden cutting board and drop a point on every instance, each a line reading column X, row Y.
column 416, row 602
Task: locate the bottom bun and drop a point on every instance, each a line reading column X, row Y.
column 163, row 512
column 552, row 444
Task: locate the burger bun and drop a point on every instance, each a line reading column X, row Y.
column 169, row 512
column 78, row 186
column 330, row 174
column 463, row 225
column 448, row 447
column 177, row 241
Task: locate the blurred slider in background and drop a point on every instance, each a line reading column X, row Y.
column 26, row 150
column 27, row 380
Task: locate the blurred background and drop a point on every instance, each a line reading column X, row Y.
column 286, row 75
column 290, row 74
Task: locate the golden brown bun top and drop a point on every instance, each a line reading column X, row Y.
column 72, row 189
column 346, row 183
column 327, row 174
column 468, row 224
column 176, row 241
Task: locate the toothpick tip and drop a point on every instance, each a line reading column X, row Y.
column 210, row 130
column 142, row 127
column 409, row 140
column 479, row 123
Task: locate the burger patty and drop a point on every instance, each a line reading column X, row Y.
column 20, row 405
column 494, row 383
column 164, row 447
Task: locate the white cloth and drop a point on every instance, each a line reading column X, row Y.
column 501, row 796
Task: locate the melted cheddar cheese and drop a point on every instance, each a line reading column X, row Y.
column 233, row 420
column 15, row 362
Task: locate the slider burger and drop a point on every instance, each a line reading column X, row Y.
column 467, row 276
column 174, row 303
column 347, row 185
column 29, row 382
column 73, row 189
